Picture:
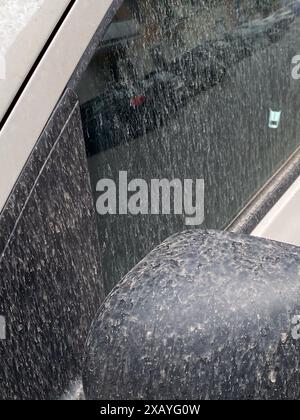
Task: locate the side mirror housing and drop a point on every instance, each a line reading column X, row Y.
column 206, row 315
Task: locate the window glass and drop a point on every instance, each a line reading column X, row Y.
column 188, row 89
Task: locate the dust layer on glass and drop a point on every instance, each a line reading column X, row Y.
column 189, row 89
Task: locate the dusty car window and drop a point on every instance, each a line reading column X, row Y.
column 189, row 89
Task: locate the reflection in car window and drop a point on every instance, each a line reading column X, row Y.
column 189, row 89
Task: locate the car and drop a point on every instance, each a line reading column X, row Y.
column 121, row 114
column 191, row 116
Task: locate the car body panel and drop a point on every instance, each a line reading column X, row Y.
column 25, row 27
column 282, row 223
column 31, row 113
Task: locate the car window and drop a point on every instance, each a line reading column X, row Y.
column 187, row 90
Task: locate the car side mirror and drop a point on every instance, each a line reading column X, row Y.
column 206, row 315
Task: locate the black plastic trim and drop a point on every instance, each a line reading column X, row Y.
column 267, row 197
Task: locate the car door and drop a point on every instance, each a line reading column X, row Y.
column 162, row 90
